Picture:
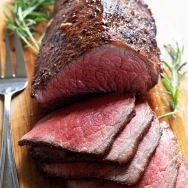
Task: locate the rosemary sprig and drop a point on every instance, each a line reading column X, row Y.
column 172, row 76
column 25, row 15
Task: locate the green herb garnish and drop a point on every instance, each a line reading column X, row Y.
column 25, row 15
column 172, row 76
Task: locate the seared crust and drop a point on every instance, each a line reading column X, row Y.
column 79, row 26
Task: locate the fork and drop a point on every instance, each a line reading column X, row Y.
column 9, row 85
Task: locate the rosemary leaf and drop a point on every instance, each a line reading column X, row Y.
column 166, row 114
column 25, row 15
column 171, row 77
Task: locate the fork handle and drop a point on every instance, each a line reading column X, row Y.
column 8, row 173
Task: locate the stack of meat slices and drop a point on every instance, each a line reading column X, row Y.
column 166, row 168
column 110, row 137
column 103, row 53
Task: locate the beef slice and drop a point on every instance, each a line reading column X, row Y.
column 182, row 178
column 85, row 127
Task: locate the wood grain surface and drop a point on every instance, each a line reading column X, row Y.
column 172, row 25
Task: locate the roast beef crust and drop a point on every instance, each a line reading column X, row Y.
column 79, row 26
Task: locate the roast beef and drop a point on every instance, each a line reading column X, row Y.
column 160, row 173
column 127, row 142
column 182, row 179
column 85, row 127
column 123, row 148
column 128, row 174
column 96, row 47
column 163, row 167
column 51, row 154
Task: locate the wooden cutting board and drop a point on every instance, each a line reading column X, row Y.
column 172, row 26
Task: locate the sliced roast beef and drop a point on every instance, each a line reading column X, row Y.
column 163, row 167
column 126, row 144
column 181, row 182
column 96, row 47
column 161, row 171
column 129, row 174
column 87, row 127
column 49, row 154
column 123, row 148
column 182, row 179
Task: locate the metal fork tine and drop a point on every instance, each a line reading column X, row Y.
column 20, row 62
column 8, row 67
